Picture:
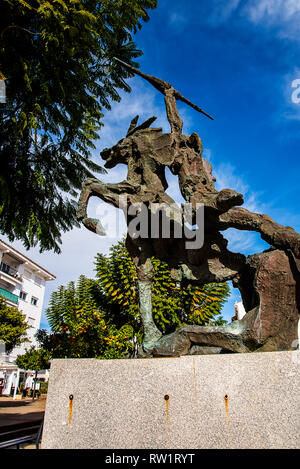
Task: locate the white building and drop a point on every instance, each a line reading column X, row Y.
column 239, row 310
column 22, row 284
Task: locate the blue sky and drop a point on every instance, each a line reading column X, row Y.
column 236, row 59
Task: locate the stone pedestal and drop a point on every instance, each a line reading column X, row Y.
column 214, row 401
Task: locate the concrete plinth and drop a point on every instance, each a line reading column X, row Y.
column 212, row 401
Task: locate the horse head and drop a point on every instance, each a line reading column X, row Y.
column 120, row 152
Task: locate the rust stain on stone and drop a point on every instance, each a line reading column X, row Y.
column 167, row 408
column 71, row 397
column 226, row 399
column 167, row 397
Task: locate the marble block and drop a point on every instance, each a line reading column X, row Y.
column 202, row 401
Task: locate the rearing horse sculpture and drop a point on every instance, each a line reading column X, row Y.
column 268, row 282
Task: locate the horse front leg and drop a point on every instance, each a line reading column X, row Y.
column 90, row 187
column 114, row 194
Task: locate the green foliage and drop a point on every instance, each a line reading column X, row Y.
column 13, row 326
column 117, row 279
column 57, row 59
column 79, row 317
column 33, row 359
column 173, row 304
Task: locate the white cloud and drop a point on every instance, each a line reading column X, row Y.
column 244, row 242
column 227, row 178
column 256, row 11
column 282, row 14
column 272, row 10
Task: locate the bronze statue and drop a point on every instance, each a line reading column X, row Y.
column 268, row 282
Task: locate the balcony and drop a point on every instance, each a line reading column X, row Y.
column 9, row 274
column 10, row 297
column 7, row 269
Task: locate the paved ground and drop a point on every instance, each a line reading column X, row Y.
column 21, row 410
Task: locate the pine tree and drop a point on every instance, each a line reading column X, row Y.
column 57, row 61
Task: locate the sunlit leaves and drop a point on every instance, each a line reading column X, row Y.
column 13, row 326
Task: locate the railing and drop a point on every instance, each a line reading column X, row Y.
column 9, row 296
column 20, row 433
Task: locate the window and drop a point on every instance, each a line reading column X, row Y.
column 31, row 321
column 38, row 281
column 34, row 301
column 27, row 274
column 5, row 268
column 23, row 295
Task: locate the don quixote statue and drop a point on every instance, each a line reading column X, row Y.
column 269, row 282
